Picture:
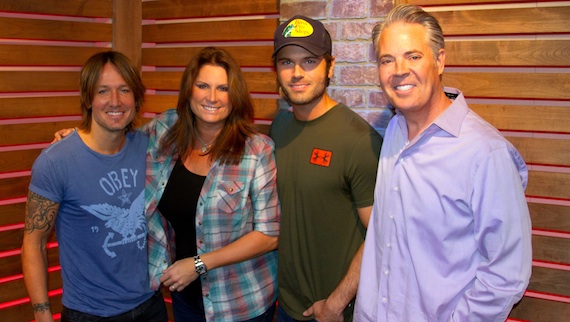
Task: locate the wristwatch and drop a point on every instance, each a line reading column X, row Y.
column 200, row 266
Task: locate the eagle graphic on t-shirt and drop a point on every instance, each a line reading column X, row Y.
column 124, row 221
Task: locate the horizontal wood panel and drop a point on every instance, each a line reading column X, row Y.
column 525, row 118
column 14, row 187
column 12, row 214
column 16, row 28
column 546, row 280
column 551, row 249
column 543, row 151
column 39, row 106
column 24, row 312
column 188, row 9
column 12, row 265
column 264, row 108
column 549, row 217
column 554, row 86
column 11, row 239
column 259, row 56
column 263, row 128
column 264, row 82
column 29, row 81
column 504, row 21
column 538, row 310
column 231, row 30
column 31, row 133
column 159, row 103
column 83, row 8
column 548, row 184
column 30, row 55
column 16, row 289
column 18, row 160
column 507, row 53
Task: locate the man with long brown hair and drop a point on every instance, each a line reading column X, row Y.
column 90, row 188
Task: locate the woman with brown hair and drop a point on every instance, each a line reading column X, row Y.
column 211, row 198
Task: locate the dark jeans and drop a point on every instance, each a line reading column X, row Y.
column 187, row 310
column 282, row 316
column 265, row 317
column 152, row 310
column 184, row 311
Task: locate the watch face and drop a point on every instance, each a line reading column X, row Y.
column 201, row 268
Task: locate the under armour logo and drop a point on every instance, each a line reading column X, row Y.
column 321, row 157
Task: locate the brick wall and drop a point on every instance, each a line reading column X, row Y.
column 350, row 22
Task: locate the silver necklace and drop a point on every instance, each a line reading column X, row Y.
column 205, row 146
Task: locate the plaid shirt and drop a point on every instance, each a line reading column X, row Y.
column 235, row 200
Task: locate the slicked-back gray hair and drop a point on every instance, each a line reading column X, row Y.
column 411, row 14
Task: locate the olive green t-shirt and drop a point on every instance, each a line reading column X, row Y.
column 326, row 169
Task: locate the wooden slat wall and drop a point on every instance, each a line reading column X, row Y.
column 173, row 31
column 512, row 61
column 43, row 44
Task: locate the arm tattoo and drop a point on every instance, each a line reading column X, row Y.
column 40, row 213
column 41, row 307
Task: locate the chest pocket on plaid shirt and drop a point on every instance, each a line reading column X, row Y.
column 231, row 194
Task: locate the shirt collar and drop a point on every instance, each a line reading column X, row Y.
column 452, row 117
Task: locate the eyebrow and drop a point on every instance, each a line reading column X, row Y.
column 407, row 53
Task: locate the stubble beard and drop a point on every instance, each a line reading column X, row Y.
column 314, row 95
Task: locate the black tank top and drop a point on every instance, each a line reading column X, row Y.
column 178, row 206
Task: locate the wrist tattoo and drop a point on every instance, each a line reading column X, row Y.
column 41, row 307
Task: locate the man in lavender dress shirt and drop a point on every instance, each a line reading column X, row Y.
column 450, row 234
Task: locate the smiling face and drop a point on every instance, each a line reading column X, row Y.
column 210, row 98
column 409, row 72
column 302, row 75
column 113, row 104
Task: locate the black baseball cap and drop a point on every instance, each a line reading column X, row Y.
column 304, row 32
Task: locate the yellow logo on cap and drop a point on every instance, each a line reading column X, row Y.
column 298, row 28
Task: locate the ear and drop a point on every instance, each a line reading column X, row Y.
column 440, row 61
column 331, row 69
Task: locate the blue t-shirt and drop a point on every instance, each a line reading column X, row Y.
column 100, row 225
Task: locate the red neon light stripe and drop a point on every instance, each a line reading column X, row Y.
column 12, row 201
column 12, row 227
column 27, row 299
column 15, row 174
column 18, row 251
column 21, row 276
column 544, row 264
column 551, row 233
column 11, row 278
column 8, row 253
column 547, row 296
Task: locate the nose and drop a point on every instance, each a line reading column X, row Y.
column 401, row 67
column 298, row 71
column 213, row 96
column 114, row 98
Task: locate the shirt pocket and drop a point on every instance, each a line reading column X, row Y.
column 231, row 194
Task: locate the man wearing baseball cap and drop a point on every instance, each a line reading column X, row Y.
column 327, row 158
